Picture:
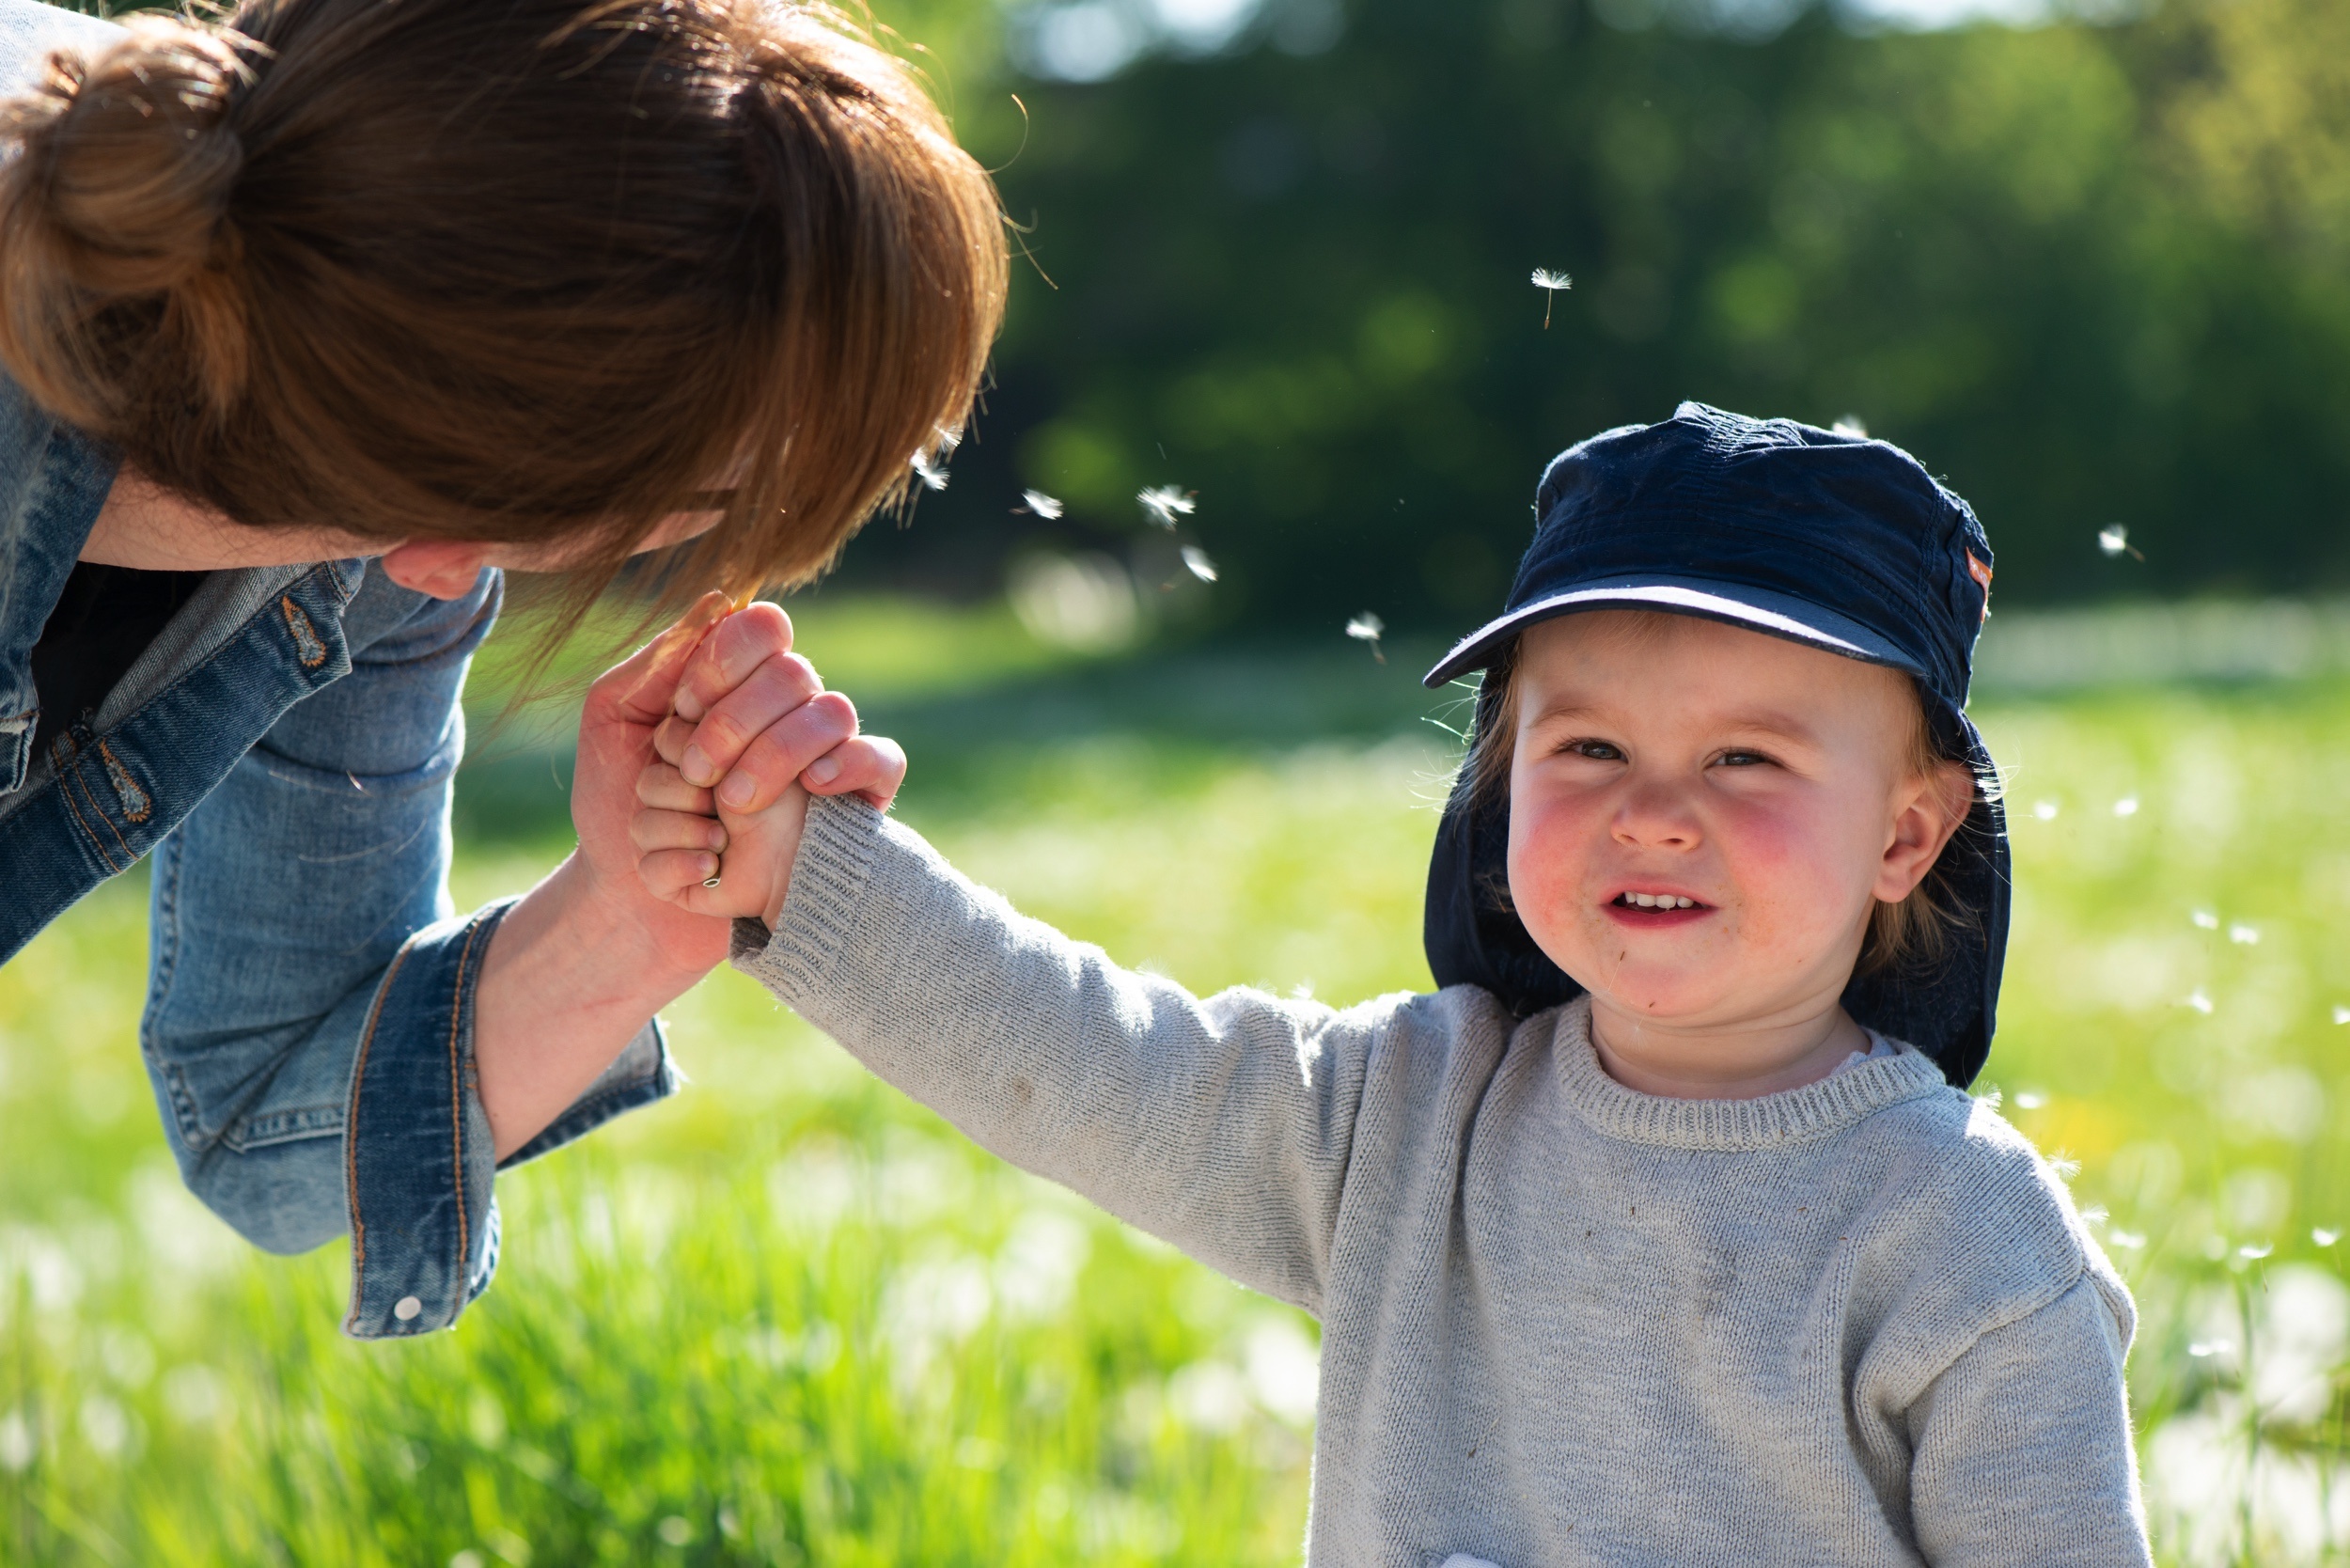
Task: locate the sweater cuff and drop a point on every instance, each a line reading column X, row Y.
column 838, row 846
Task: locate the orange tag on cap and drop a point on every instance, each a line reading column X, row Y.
column 1982, row 574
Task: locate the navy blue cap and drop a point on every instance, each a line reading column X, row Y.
column 1823, row 538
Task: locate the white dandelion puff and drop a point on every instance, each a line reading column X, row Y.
column 1367, row 627
column 2115, row 540
column 1552, row 285
column 2325, row 1235
column 2030, row 1098
column 1850, row 425
column 2206, row 920
column 927, row 469
column 2253, row 1252
column 2342, row 1015
column 2243, row 935
column 2125, row 806
column 1197, row 560
column 2203, row 1349
column 2130, row 1240
column 1162, row 504
column 2046, row 810
column 2200, row 1000
column 1046, row 507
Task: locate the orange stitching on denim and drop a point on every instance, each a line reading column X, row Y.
column 309, row 647
column 457, row 1104
column 66, row 788
column 350, row 1129
column 98, row 811
column 127, row 787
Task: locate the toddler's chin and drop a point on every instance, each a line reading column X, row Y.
column 1664, row 996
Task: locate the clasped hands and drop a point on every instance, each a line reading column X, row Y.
column 751, row 734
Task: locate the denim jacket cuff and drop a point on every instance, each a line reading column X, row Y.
column 419, row 1158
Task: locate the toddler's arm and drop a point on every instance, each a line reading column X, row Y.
column 2021, row 1449
column 1220, row 1124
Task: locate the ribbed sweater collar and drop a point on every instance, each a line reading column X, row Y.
column 1792, row 1115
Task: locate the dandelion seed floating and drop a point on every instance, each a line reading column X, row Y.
column 2129, row 1239
column 2325, row 1235
column 2243, row 935
column 2252, row 1253
column 2342, row 1015
column 1369, row 628
column 2203, row 1349
column 927, row 470
column 2206, row 920
column 2044, row 810
column 1046, row 507
column 2115, row 540
column 1850, row 425
column 2030, row 1098
column 1552, row 285
column 2200, row 1000
column 1197, row 560
column 2125, row 806
column 1162, row 504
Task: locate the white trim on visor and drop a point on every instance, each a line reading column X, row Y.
column 1660, row 593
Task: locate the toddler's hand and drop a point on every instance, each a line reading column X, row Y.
column 753, row 734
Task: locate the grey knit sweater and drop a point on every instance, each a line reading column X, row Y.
column 1562, row 1322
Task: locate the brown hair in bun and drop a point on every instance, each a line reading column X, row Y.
column 534, row 271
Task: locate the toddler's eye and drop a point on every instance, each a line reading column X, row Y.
column 1598, row 751
column 1742, row 760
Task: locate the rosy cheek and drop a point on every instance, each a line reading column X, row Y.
column 1550, row 841
column 1789, row 863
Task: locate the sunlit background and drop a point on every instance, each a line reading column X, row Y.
column 1276, row 386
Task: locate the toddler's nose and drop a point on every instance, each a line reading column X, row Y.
column 1655, row 816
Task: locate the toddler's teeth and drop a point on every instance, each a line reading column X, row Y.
column 1684, row 903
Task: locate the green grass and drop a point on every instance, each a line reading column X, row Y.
column 788, row 1317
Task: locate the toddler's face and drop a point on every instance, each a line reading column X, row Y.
column 1701, row 817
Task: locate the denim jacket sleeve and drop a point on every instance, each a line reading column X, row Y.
column 309, row 1025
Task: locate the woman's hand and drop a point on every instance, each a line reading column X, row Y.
column 754, row 734
column 589, row 954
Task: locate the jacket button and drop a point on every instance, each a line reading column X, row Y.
column 407, row 1308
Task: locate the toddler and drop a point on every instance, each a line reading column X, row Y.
column 1664, row 1232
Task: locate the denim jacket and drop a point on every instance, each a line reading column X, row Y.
column 285, row 750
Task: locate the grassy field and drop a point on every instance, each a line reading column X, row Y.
column 788, row 1317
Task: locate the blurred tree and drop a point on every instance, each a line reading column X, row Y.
column 2090, row 274
column 2262, row 112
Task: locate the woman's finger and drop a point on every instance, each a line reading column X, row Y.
column 740, row 644
column 769, row 692
column 676, row 875
column 651, row 830
column 783, row 750
column 664, row 789
column 869, row 765
column 641, row 688
column 670, row 737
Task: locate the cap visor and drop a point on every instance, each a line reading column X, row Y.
column 1778, row 615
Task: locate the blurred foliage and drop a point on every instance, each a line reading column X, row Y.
column 2091, row 273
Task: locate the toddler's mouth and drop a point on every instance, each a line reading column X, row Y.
column 1655, row 900
column 1642, row 907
